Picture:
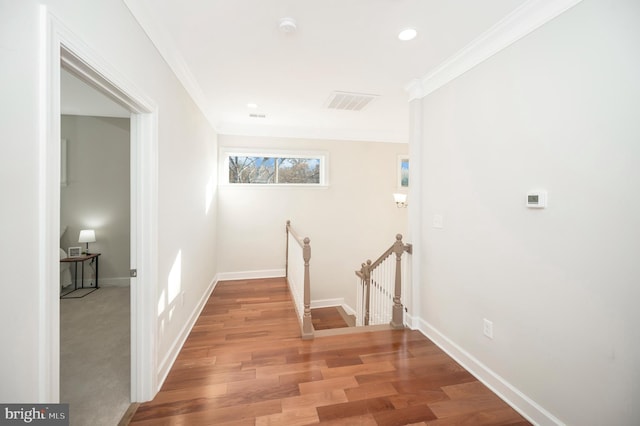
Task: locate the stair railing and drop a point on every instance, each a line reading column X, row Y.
column 298, row 254
column 379, row 288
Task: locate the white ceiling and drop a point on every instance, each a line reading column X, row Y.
column 230, row 52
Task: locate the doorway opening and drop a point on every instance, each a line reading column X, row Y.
column 65, row 51
column 95, row 319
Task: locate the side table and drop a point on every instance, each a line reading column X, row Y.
column 91, row 257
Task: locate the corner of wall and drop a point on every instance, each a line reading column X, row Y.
column 507, row 392
column 251, row 275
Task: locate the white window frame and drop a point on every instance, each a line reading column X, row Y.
column 226, row 152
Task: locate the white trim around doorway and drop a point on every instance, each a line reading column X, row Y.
column 61, row 47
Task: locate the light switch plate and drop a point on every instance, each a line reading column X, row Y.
column 487, row 328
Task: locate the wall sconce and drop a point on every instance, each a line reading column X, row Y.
column 401, row 200
column 87, row 236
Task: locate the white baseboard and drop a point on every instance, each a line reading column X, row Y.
column 327, row 303
column 114, row 282
column 250, row 275
column 104, row 282
column 512, row 396
column 348, row 309
column 411, row 322
column 167, row 362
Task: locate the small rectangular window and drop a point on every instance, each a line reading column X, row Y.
column 298, row 170
column 274, row 169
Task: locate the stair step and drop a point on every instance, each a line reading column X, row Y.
column 351, row 330
column 349, row 319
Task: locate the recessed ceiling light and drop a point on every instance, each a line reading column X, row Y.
column 252, row 105
column 407, row 34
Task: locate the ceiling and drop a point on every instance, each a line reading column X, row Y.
column 229, row 53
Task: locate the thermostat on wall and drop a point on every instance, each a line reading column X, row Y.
column 537, row 199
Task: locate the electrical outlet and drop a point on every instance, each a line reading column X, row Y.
column 488, row 328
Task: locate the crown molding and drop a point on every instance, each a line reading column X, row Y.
column 415, row 89
column 528, row 17
column 163, row 42
column 369, row 135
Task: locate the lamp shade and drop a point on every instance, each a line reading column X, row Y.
column 400, row 198
column 87, row 236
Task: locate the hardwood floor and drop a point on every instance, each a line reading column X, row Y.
column 244, row 364
column 327, row 319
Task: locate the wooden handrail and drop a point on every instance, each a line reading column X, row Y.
column 406, row 247
column 298, row 238
column 382, row 257
column 398, row 247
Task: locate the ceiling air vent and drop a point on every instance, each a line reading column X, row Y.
column 349, row 101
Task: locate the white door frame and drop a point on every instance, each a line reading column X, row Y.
column 61, row 47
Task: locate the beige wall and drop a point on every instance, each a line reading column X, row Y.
column 98, row 190
column 557, row 110
column 353, row 219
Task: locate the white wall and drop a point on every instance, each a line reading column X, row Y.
column 557, row 110
column 353, row 219
column 19, row 212
column 186, row 168
column 97, row 193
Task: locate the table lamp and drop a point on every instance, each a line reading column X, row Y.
column 87, row 236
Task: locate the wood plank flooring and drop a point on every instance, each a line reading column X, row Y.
column 245, row 364
column 327, row 319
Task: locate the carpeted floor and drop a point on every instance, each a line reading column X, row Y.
column 95, row 356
